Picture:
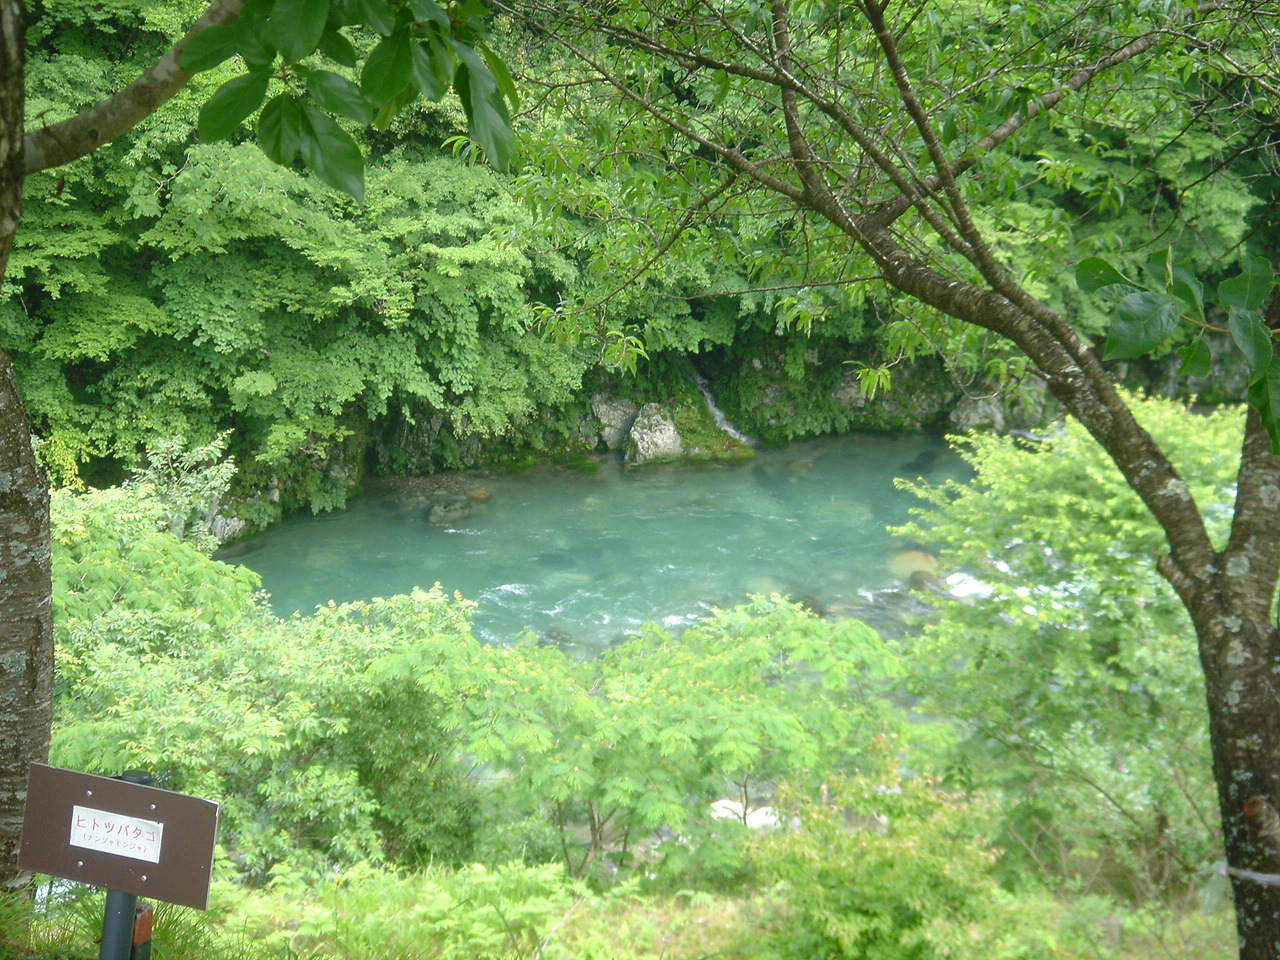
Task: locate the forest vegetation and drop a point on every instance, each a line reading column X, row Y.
column 193, row 323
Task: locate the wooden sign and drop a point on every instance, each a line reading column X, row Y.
column 118, row 835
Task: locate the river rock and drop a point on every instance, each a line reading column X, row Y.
column 616, row 416
column 226, row 529
column 449, row 512
column 978, row 413
column 653, row 436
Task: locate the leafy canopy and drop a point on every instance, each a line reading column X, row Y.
column 421, row 49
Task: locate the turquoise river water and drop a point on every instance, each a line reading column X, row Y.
column 581, row 560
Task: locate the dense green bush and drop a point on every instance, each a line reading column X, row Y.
column 1076, row 680
column 882, row 868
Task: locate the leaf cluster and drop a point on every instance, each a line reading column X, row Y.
column 1076, row 624
column 421, row 49
column 1148, row 312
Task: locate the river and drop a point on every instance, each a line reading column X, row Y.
column 582, row 560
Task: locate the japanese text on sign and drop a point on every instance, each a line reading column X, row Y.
column 117, row 834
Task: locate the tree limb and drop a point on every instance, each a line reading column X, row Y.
column 80, row 135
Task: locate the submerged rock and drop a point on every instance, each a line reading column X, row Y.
column 451, row 511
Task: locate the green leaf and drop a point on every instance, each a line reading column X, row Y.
column 231, row 104
column 1156, row 269
column 388, row 68
column 329, row 151
column 431, row 68
column 1196, row 358
column 280, row 129
column 1143, row 321
column 376, row 14
column 487, row 116
column 208, row 48
column 1186, row 287
column 428, row 10
column 335, row 46
column 339, row 95
column 393, row 106
column 1093, row 273
column 1253, row 338
column 253, row 36
column 1249, row 290
column 297, row 25
column 507, row 86
column 1264, row 396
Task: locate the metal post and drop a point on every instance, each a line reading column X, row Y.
column 117, row 918
column 117, row 926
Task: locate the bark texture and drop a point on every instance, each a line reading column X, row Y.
column 26, row 627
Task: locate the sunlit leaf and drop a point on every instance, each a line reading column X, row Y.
column 231, row 104
column 1143, row 321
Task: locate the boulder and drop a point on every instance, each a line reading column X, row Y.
column 226, row 529
column 616, row 416
column 653, row 436
column 978, row 413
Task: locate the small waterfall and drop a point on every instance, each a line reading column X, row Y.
column 721, row 420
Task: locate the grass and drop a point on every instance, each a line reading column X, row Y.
column 523, row 913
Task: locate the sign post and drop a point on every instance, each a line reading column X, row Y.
column 133, row 839
column 121, row 910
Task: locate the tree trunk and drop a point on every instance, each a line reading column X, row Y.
column 26, row 627
column 1242, row 691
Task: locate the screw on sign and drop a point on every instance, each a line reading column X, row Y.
column 124, row 835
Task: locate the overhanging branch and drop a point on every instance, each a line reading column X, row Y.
column 80, row 135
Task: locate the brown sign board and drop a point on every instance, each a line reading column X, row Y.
column 122, row 836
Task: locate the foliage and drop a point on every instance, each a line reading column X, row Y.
column 112, row 550
column 66, row 922
column 472, row 913
column 421, row 49
column 648, row 734
column 189, row 485
column 1148, row 313
column 1077, row 677
column 882, row 868
column 336, row 738
column 193, row 288
column 274, row 719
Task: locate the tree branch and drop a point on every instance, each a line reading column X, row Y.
column 80, row 135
